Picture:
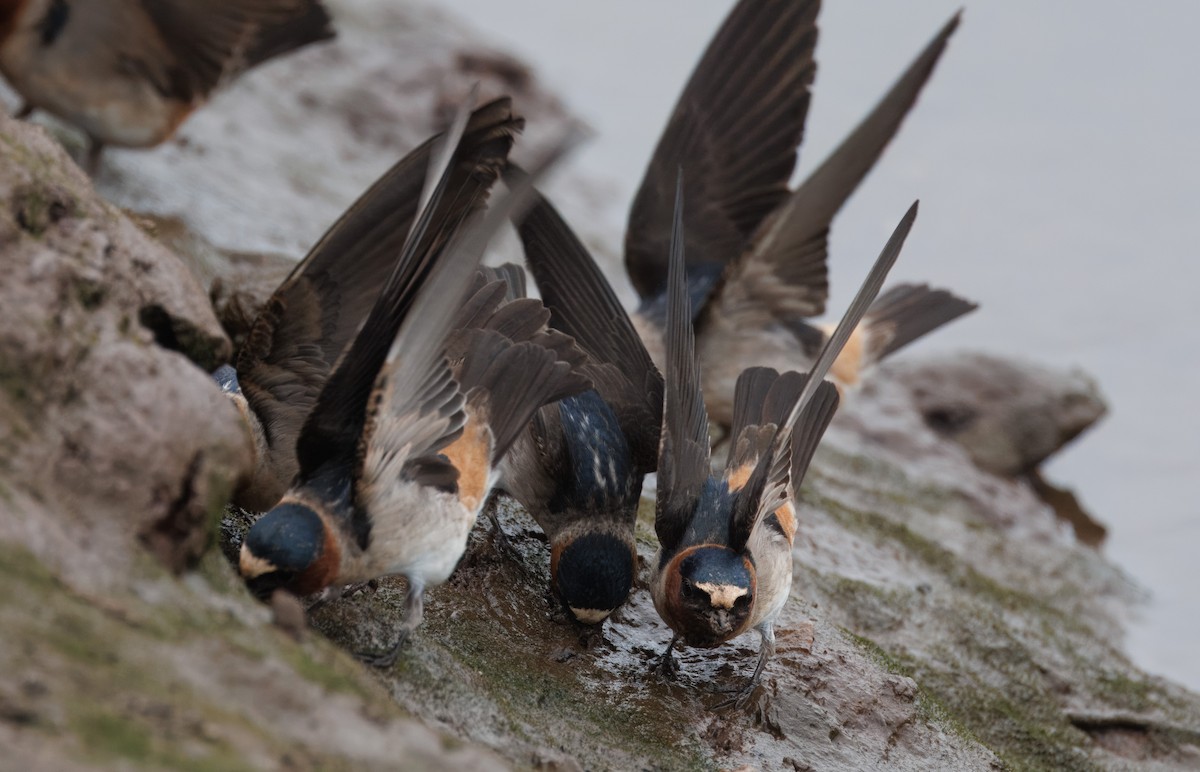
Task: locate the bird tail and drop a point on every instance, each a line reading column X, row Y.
column 507, row 359
column 905, row 313
column 507, row 381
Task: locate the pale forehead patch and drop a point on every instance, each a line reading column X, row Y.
column 722, row 595
column 251, row 565
column 590, row 616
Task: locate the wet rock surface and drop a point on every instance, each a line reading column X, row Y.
column 1008, row 415
column 103, row 337
column 127, row 640
column 941, row 617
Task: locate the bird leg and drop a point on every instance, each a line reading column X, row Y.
column 351, row 590
column 414, row 606
column 500, row 539
column 667, row 666
column 320, row 599
column 327, row 594
column 741, row 696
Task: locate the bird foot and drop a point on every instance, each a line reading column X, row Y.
column 319, row 600
column 386, row 659
column 738, row 699
column 667, row 666
column 350, row 590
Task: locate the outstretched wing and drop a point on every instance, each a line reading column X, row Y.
column 411, row 416
column 854, row 314
column 784, row 273
column 212, row 42
column 734, row 133
column 684, row 454
column 583, row 305
column 310, row 320
column 464, row 173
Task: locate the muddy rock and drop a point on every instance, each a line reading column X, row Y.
column 127, row 641
column 1008, row 415
column 105, row 339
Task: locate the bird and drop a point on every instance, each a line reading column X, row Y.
column 724, row 564
column 129, row 72
column 579, row 465
column 399, row 454
column 314, row 314
column 756, row 250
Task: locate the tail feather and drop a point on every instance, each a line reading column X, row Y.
column 496, row 303
column 905, row 313
column 762, row 400
column 511, row 274
column 507, row 381
column 809, row 429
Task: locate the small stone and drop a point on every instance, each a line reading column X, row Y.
column 287, row 613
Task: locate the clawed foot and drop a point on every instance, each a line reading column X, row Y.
column 667, row 666
column 328, row 594
column 741, row 697
column 351, row 590
column 500, row 540
column 738, row 698
column 386, row 659
column 416, row 611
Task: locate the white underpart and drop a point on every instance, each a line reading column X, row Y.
column 590, row 616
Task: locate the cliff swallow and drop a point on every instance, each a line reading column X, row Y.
column 128, row 72
column 315, row 313
column 757, row 251
column 578, row 467
column 724, row 564
column 398, row 456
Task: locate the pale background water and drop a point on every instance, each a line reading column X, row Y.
column 1055, row 155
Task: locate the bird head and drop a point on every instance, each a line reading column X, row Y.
column 288, row 548
column 592, row 574
column 710, row 594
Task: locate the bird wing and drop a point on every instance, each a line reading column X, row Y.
column 583, row 305
column 784, row 272
column 854, row 313
column 760, row 479
column 761, row 470
column 417, row 405
column 332, row 430
column 683, row 460
column 734, row 133
column 212, row 42
column 311, row 319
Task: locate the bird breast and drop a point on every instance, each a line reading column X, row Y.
column 416, row 531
